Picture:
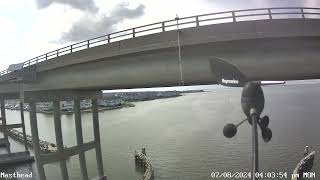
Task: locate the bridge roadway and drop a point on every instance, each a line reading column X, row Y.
column 277, row 49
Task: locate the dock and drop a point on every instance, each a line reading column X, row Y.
column 304, row 166
column 45, row 146
column 15, row 158
column 141, row 160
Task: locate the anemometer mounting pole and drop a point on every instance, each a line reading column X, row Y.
column 255, row 144
column 252, row 103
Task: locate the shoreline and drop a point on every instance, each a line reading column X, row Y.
column 125, row 103
column 100, row 109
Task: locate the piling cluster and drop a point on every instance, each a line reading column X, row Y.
column 142, row 161
column 305, row 165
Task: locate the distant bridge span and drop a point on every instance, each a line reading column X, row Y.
column 260, row 42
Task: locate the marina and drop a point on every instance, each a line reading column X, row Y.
column 67, row 106
column 109, row 101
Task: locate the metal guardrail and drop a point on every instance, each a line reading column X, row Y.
column 180, row 23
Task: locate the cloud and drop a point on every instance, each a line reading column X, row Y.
column 122, row 11
column 7, row 25
column 84, row 5
column 248, row 4
column 88, row 27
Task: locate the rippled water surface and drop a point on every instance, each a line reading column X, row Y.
column 183, row 135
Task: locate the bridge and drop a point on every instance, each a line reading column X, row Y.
column 265, row 44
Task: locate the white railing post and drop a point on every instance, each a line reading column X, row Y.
column 233, row 16
column 302, row 13
column 197, row 21
column 163, row 27
column 269, row 13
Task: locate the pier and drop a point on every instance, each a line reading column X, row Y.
column 45, row 146
column 141, row 160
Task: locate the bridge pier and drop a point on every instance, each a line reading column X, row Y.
column 63, row 153
column 10, row 157
column 23, row 126
column 79, row 135
column 4, row 125
column 96, row 130
column 59, row 139
column 35, row 139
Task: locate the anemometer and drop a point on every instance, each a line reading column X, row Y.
column 252, row 103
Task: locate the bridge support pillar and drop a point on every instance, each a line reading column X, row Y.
column 79, row 134
column 8, row 129
column 96, row 130
column 4, row 125
column 59, row 139
column 23, row 126
column 63, row 153
column 35, row 139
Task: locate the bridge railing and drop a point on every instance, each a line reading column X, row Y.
column 180, row 23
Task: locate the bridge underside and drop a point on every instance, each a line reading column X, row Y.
column 286, row 49
column 259, row 59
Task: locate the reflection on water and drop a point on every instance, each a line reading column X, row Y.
column 183, row 136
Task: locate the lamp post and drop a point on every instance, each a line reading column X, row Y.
column 181, row 81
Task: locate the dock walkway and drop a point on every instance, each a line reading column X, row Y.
column 45, row 146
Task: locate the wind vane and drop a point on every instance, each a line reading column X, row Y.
column 252, row 103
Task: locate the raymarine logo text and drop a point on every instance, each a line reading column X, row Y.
column 230, row 81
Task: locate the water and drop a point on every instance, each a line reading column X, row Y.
column 183, row 135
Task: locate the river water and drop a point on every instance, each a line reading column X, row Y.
column 183, row 136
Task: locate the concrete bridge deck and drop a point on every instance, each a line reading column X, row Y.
column 267, row 49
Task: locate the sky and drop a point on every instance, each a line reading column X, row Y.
column 29, row 28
